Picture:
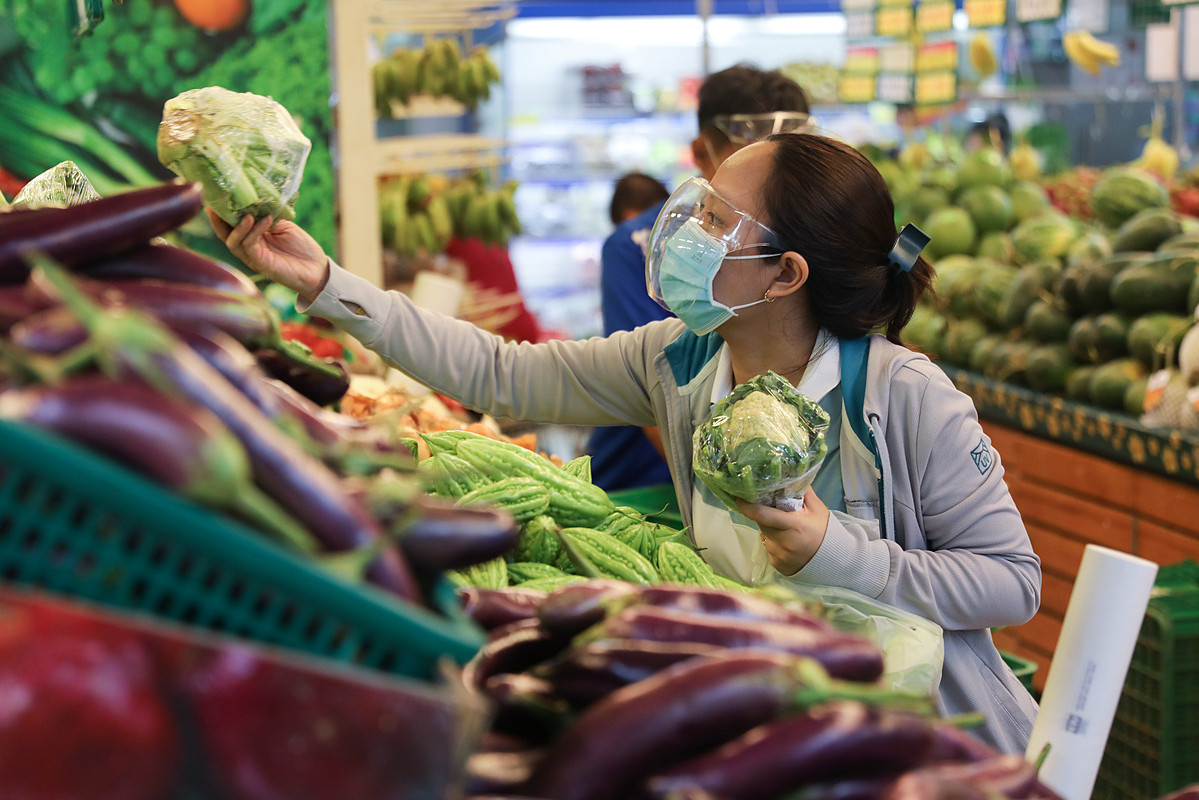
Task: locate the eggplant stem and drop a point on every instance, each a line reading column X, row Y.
column 817, row 687
column 87, row 310
column 971, row 719
column 255, row 507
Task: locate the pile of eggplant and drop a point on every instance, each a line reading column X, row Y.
column 172, row 364
column 604, row 691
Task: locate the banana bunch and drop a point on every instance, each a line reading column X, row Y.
column 437, row 70
column 982, row 55
column 413, row 214
column 1088, row 52
column 481, row 212
column 1157, row 156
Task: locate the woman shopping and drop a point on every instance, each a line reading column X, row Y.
column 789, row 261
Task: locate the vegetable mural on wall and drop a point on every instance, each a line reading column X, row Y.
column 97, row 99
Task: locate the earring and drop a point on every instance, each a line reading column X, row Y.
column 767, row 297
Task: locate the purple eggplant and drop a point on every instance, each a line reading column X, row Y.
column 1006, row 776
column 51, row 332
column 323, row 381
column 575, row 608
column 130, row 344
column 1188, row 793
column 850, row 789
column 164, row 262
column 516, row 647
column 954, row 745
column 526, row 706
column 493, row 741
column 93, row 231
column 589, row 672
column 440, row 536
column 180, row 305
column 179, row 445
column 494, row 773
column 16, row 304
column 494, row 608
column 702, row 600
column 843, row 655
column 842, row 739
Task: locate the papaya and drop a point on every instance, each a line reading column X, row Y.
column 1152, row 337
column 1047, row 322
column 980, row 354
column 961, row 336
column 1134, row 396
column 1143, row 288
column 1110, row 382
column 1048, row 367
column 1078, row 384
column 1146, row 230
column 1124, row 191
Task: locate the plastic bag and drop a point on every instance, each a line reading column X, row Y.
column 913, row 647
column 245, row 149
column 763, row 443
column 61, row 186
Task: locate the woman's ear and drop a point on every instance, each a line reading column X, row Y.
column 792, row 274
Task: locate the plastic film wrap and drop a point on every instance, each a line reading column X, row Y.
column 61, row 186
column 762, row 443
column 244, row 149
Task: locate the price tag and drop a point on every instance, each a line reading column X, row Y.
column 936, row 16
column 1155, row 391
column 899, row 57
column 856, row 88
column 937, row 57
column 986, row 13
column 1033, row 10
column 894, row 21
column 936, row 88
column 861, row 60
column 895, row 88
column 857, row 5
column 859, row 25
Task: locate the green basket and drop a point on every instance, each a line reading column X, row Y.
column 1023, row 668
column 656, row 502
column 79, row 525
column 1153, row 747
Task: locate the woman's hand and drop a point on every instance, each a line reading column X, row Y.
column 284, row 253
column 791, row 538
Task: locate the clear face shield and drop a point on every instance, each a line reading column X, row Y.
column 697, row 231
column 743, row 129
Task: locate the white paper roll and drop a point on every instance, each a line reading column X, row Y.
column 1107, row 606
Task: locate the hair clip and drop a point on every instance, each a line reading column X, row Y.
column 908, row 245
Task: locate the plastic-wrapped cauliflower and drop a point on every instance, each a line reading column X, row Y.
column 763, row 443
column 61, row 186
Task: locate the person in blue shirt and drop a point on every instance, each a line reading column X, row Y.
column 737, row 106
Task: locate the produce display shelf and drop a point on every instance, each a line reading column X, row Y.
column 79, row 525
column 1153, row 747
column 1109, row 434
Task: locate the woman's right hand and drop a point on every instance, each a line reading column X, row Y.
column 284, row 253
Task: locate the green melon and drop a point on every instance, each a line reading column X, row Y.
column 925, row 331
column 1110, row 382
column 989, row 208
column 961, row 336
column 1134, row 396
column 1144, row 288
column 1095, row 285
column 950, row 231
column 985, row 167
column 991, row 290
column 998, row 246
column 1078, row 384
column 1146, row 230
column 1047, row 235
column 980, row 354
column 1033, row 281
column 1090, row 246
column 1124, row 191
column 924, row 201
column 1047, row 322
column 1048, row 367
column 1028, row 200
column 1153, row 337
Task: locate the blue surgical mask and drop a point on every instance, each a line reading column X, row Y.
column 690, row 259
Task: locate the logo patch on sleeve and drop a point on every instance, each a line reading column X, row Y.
column 982, row 456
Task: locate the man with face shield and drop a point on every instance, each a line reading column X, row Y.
column 737, row 106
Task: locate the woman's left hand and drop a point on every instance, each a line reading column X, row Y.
column 791, row 538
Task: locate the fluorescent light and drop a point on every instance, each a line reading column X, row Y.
column 624, row 31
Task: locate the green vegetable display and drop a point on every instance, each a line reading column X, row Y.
column 245, row 149
column 762, row 443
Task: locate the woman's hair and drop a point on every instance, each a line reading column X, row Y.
column 635, row 192
column 828, row 203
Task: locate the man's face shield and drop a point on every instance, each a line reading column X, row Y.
column 699, row 229
column 743, row 129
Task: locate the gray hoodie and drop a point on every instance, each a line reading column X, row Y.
column 930, row 528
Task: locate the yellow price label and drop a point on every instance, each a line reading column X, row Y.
column 856, row 88
column 936, row 88
column 935, row 16
column 986, row 13
column 942, row 56
column 894, row 21
column 861, row 60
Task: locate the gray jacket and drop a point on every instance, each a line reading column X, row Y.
column 930, row 528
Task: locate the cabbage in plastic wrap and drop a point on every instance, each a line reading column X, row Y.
column 245, row 149
column 763, row 443
column 61, row 186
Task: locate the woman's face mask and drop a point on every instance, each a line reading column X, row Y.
column 685, row 254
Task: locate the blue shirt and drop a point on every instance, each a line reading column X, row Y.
column 622, row 457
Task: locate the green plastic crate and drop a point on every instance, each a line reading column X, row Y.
column 79, row 525
column 1153, row 747
column 1023, row 668
column 656, row 502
